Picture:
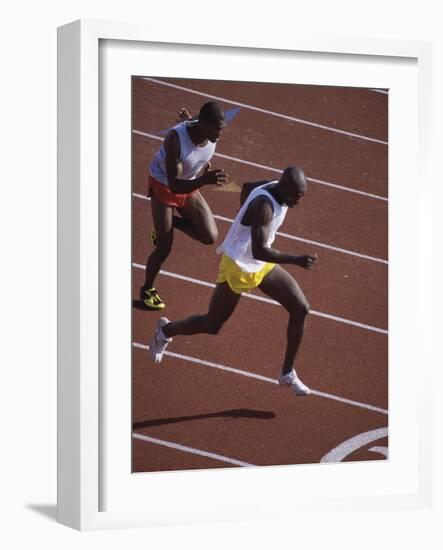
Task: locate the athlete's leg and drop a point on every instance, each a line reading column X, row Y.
column 283, row 288
column 221, row 307
column 162, row 219
column 197, row 220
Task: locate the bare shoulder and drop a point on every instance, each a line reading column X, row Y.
column 263, row 207
column 171, row 138
column 259, row 212
column 171, row 143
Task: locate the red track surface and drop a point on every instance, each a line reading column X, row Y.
column 234, row 416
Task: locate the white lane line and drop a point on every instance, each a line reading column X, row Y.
column 191, row 450
column 267, row 112
column 380, row 450
column 294, row 238
column 277, row 170
column 386, row 92
column 316, row 313
column 350, row 402
column 249, row 374
column 269, row 301
column 353, row 444
column 334, row 248
column 315, row 180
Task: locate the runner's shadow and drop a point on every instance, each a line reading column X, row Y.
column 234, row 413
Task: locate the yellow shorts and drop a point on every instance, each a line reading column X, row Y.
column 240, row 281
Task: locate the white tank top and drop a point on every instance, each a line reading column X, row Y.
column 192, row 158
column 238, row 244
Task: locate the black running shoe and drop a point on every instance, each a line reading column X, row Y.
column 151, row 299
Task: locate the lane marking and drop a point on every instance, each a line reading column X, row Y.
column 351, row 402
column 191, row 450
column 334, row 248
column 381, row 450
column 277, row 170
column 265, row 111
column 269, row 301
column 353, row 444
column 315, row 180
column 386, row 92
column 294, row 238
column 249, row 374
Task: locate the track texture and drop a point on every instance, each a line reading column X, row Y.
column 214, row 400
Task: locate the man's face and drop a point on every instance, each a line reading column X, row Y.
column 293, row 192
column 213, row 129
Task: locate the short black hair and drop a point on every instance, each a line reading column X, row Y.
column 211, row 112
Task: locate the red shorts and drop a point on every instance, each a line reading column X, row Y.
column 164, row 195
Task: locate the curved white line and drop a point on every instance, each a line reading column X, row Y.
column 381, row 450
column 353, row 444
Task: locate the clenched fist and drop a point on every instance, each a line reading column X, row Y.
column 307, row 261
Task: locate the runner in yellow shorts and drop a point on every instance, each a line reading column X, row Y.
column 249, row 262
column 240, row 281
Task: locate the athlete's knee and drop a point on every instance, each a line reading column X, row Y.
column 214, row 326
column 304, row 308
column 300, row 309
column 210, row 236
column 163, row 249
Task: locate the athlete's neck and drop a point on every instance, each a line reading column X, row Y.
column 275, row 192
column 196, row 135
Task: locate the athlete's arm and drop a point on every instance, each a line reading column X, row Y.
column 184, row 115
column 174, row 169
column 261, row 218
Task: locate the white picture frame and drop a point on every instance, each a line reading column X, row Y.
column 80, row 437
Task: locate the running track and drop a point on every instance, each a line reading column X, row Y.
column 214, row 401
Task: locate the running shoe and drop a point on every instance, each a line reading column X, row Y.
column 291, row 380
column 153, row 237
column 159, row 341
column 151, row 299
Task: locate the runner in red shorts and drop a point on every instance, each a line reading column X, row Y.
column 174, row 183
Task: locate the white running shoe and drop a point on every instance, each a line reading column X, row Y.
column 159, row 342
column 293, row 381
